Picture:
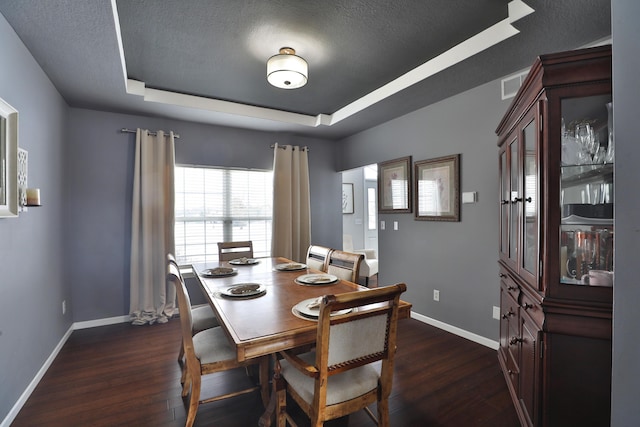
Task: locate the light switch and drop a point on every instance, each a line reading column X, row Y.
column 382, row 225
column 470, row 197
column 395, row 225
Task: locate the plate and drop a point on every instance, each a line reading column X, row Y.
column 244, row 261
column 302, row 308
column 244, row 290
column 317, row 279
column 290, row 266
column 219, row 272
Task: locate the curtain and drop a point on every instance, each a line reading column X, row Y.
column 152, row 222
column 291, row 233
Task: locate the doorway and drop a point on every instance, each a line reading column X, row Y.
column 362, row 224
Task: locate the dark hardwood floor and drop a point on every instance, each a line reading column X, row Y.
column 123, row 375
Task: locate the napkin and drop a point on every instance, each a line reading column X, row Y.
column 315, row 303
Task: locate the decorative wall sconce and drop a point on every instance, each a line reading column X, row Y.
column 27, row 196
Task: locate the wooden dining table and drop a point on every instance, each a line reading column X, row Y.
column 266, row 324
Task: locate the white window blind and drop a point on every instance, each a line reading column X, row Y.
column 215, row 205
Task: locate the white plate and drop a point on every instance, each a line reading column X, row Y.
column 302, row 308
column 244, row 261
column 244, row 290
column 317, row 279
column 290, row 266
column 219, row 272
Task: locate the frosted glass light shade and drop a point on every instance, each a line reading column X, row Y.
column 287, row 70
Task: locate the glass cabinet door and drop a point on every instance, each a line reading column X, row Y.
column 514, row 206
column 586, row 192
column 529, row 199
column 504, row 205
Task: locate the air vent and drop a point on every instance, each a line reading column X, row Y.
column 511, row 84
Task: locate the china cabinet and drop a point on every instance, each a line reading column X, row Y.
column 556, row 157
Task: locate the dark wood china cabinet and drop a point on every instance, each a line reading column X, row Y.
column 556, row 156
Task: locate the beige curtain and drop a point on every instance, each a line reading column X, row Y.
column 291, row 206
column 152, row 300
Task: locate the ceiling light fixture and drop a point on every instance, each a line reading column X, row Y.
column 287, row 70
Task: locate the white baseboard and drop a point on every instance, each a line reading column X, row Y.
column 100, row 322
column 13, row 413
column 456, row 331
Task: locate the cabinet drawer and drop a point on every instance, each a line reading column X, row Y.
column 532, row 308
column 509, row 285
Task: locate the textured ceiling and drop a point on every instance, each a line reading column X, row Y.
column 215, row 53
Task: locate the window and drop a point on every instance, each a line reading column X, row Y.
column 214, row 205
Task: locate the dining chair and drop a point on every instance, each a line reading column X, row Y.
column 209, row 352
column 351, row 366
column 318, row 257
column 202, row 315
column 345, row 265
column 232, row 250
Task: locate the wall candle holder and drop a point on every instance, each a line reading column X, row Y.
column 27, row 196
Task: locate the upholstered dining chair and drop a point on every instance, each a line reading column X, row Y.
column 202, row 315
column 318, row 257
column 232, row 250
column 208, row 352
column 345, row 265
column 352, row 364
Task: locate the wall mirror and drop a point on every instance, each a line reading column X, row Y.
column 8, row 160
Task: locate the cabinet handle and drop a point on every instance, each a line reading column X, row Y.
column 510, row 372
column 517, row 199
column 528, row 199
column 504, row 202
column 527, row 306
column 509, row 313
column 502, row 275
column 515, row 340
column 512, row 288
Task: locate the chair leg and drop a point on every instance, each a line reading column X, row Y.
column 186, row 383
column 263, row 377
column 383, row 413
column 194, row 401
column 181, row 353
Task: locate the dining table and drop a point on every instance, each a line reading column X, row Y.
column 265, row 319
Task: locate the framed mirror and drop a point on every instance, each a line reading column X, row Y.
column 8, row 160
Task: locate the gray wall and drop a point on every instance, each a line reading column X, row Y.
column 99, row 180
column 457, row 258
column 626, row 293
column 32, row 278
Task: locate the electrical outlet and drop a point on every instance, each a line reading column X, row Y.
column 496, row 312
column 64, row 307
column 436, row 295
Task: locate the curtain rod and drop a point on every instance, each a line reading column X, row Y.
column 284, row 147
column 125, row 130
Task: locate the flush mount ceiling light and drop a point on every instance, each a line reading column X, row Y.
column 287, row 70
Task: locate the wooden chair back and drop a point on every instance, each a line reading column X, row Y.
column 345, row 265
column 318, row 257
column 184, row 306
column 232, row 250
column 364, row 336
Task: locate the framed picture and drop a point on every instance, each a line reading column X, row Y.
column 347, row 198
column 394, row 185
column 437, row 188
